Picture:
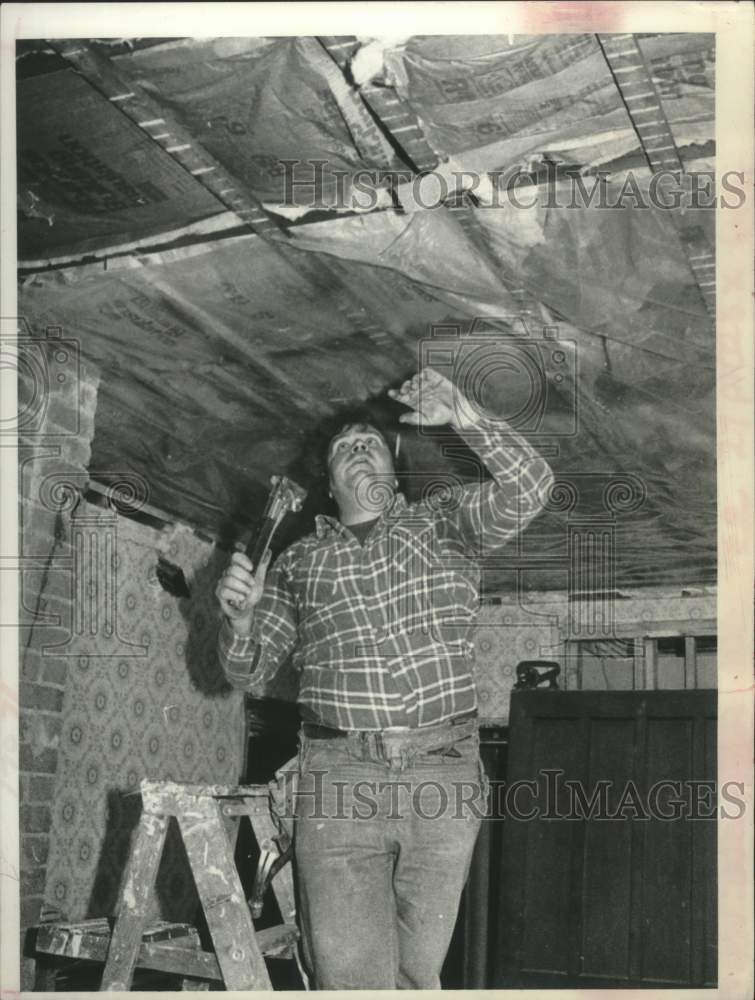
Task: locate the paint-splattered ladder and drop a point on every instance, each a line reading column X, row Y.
column 206, row 817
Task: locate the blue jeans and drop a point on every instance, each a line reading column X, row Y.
column 383, row 852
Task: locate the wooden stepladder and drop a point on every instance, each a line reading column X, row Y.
column 208, row 818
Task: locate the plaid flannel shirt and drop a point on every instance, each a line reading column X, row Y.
column 380, row 633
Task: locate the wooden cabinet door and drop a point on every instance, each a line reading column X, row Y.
column 610, row 840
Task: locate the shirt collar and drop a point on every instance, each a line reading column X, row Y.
column 326, row 525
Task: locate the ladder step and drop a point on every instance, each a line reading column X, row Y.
column 278, row 941
column 172, row 948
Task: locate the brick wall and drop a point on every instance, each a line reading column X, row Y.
column 57, row 397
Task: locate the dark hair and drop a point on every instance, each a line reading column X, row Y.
column 311, row 466
column 362, row 414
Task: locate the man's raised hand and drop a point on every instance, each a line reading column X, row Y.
column 240, row 589
column 434, row 400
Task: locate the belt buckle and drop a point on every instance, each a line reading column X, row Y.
column 393, row 748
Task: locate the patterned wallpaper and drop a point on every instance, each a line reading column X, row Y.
column 155, row 706
column 504, row 636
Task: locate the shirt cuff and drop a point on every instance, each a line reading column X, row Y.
column 236, row 651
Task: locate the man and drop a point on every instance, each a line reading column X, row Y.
column 376, row 608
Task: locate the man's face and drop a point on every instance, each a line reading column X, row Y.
column 357, row 453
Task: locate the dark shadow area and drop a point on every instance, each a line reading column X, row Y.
column 201, row 613
column 175, row 896
column 272, row 737
column 122, row 816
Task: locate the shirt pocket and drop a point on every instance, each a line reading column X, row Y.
column 414, row 553
column 438, row 584
column 318, row 585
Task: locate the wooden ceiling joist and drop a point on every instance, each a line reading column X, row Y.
column 408, row 138
column 177, row 141
column 642, row 101
column 167, row 132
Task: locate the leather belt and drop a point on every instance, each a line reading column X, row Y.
column 436, row 735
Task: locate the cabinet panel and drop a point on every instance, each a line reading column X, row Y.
column 667, row 855
column 705, row 862
column 548, row 881
column 622, row 891
column 607, row 854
